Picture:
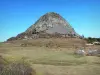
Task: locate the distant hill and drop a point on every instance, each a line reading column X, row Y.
column 49, row 25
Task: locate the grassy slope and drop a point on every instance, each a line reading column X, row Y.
column 53, row 61
column 52, row 42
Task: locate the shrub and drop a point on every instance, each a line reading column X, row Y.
column 3, row 62
column 17, row 68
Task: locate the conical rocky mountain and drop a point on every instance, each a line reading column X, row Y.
column 49, row 24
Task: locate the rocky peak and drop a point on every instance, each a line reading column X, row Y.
column 50, row 23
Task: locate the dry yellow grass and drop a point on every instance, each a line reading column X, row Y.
column 52, row 42
column 53, row 60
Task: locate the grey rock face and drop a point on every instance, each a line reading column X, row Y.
column 80, row 52
column 98, row 51
column 52, row 23
column 91, row 52
column 49, row 25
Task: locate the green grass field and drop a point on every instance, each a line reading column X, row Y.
column 53, row 61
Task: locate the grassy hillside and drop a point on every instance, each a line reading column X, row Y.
column 52, row 42
column 52, row 60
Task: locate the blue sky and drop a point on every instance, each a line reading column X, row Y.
column 17, row 15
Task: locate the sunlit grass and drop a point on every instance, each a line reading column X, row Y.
column 53, row 61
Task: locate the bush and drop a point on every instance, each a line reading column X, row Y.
column 3, row 62
column 17, row 68
column 91, row 40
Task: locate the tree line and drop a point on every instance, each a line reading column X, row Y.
column 91, row 40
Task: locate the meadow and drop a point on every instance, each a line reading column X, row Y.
column 52, row 60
